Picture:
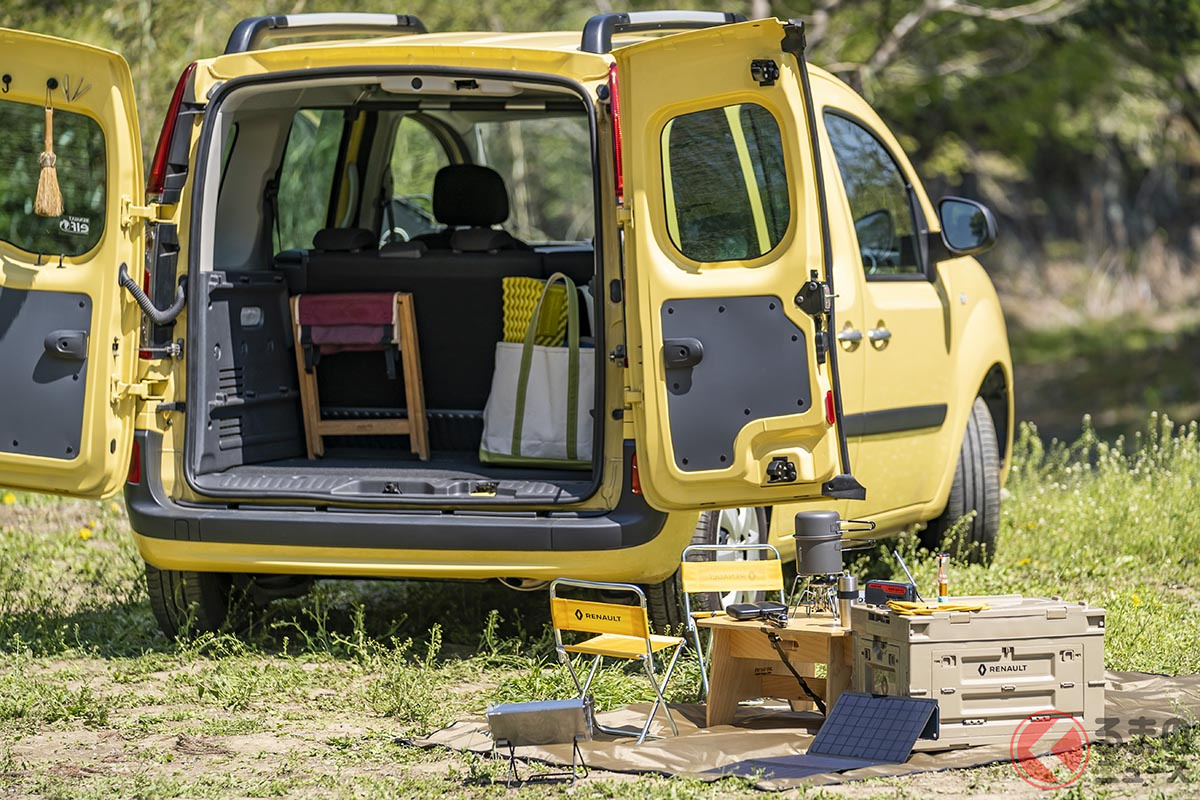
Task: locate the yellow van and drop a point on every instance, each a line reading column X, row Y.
column 772, row 315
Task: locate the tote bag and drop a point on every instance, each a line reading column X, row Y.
column 539, row 409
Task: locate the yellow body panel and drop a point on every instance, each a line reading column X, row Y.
column 947, row 335
column 648, row 563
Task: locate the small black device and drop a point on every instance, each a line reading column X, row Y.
column 878, row 593
column 769, row 610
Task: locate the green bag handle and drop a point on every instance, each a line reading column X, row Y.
column 572, row 366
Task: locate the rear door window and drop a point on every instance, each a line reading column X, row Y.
column 725, row 183
column 82, row 178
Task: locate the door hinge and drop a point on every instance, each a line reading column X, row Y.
column 152, row 212
column 624, row 216
column 141, row 390
column 633, row 397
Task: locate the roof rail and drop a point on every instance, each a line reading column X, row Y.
column 252, row 32
column 599, row 30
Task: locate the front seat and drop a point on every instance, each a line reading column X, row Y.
column 469, row 200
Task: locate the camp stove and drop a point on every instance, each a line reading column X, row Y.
column 819, row 547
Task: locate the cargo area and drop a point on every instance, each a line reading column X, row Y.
column 439, row 188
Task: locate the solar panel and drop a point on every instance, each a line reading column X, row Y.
column 862, row 730
column 882, row 729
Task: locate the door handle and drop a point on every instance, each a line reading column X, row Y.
column 879, row 334
column 849, row 335
column 682, row 353
column 67, row 344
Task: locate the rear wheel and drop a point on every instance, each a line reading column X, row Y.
column 191, row 603
column 741, row 526
column 976, row 488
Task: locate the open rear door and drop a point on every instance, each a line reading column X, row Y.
column 732, row 385
column 67, row 331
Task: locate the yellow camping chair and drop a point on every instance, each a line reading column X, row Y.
column 619, row 631
column 764, row 574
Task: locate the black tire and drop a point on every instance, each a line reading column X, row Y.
column 665, row 600
column 976, row 487
column 187, row 604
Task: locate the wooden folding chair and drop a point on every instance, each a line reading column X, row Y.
column 403, row 337
column 619, row 631
column 722, row 577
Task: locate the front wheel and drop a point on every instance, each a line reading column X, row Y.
column 976, row 488
column 736, row 526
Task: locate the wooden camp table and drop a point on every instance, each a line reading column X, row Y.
column 745, row 665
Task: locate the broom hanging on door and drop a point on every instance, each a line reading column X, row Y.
column 48, row 201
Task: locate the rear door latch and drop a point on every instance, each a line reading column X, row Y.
column 781, row 470
column 765, row 71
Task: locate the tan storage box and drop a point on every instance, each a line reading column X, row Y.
column 990, row 669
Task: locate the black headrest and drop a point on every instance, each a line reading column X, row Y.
column 344, row 240
column 468, row 194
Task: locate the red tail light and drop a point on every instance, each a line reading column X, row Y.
column 830, row 411
column 614, row 96
column 635, row 482
column 135, row 464
column 158, row 167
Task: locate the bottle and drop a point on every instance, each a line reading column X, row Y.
column 943, row 576
column 847, row 592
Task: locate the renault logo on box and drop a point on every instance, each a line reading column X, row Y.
column 1002, row 668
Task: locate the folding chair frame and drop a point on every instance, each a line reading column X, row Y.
column 646, row 658
column 704, row 655
column 415, row 425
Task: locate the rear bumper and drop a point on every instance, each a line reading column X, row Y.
column 311, row 540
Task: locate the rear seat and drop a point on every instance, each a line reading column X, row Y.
column 458, row 298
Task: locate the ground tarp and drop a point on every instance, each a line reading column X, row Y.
column 1136, row 703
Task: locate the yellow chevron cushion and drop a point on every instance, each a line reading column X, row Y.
column 520, row 300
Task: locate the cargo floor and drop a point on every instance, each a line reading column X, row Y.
column 392, row 474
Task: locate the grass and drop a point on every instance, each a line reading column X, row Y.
column 95, row 703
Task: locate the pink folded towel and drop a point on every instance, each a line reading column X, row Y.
column 357, row 308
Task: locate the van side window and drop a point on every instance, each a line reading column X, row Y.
column 880, row 200
column 546, row 164
column 725, row 183
column 79, row 148
column 417, row 155
column 306, row 176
